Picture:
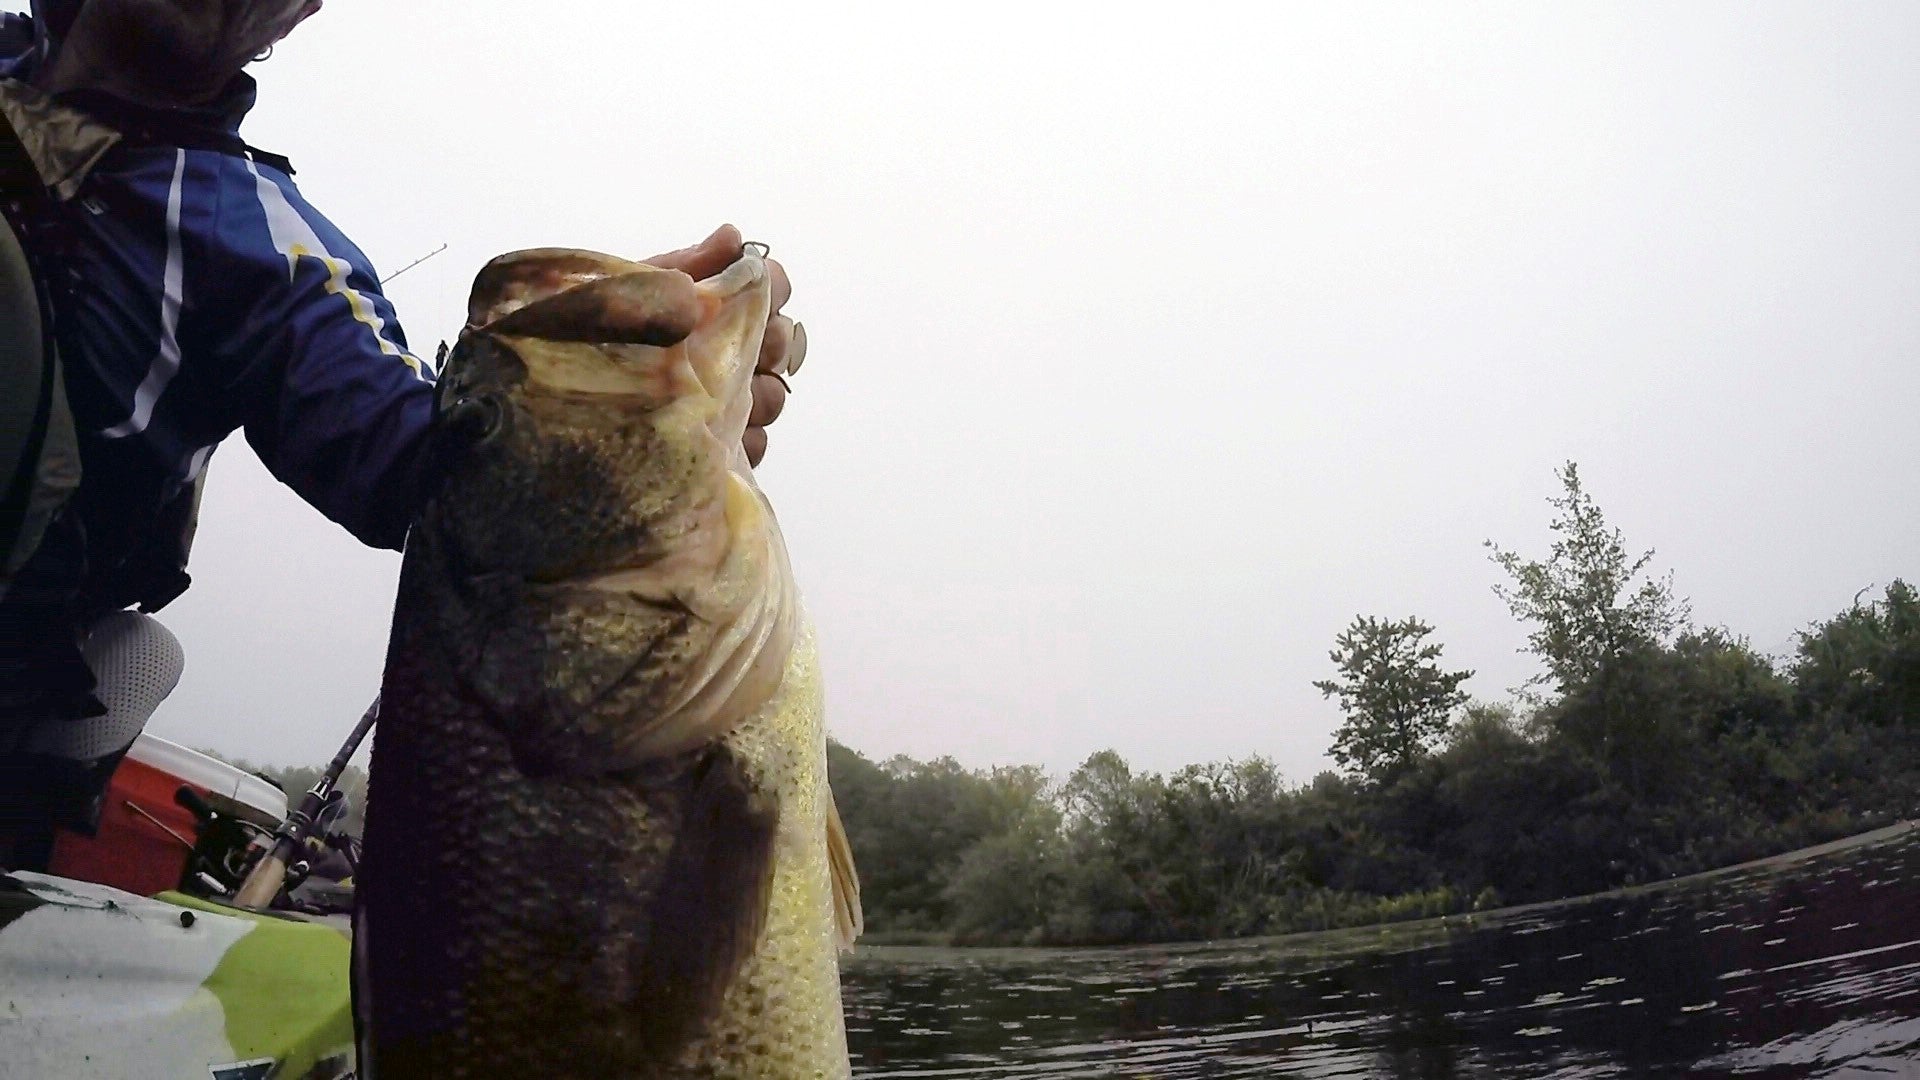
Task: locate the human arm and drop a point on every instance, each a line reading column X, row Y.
column 332, row 400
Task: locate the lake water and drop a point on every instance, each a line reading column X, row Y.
column 1808, row 967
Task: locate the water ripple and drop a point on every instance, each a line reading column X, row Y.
column 1811, row 969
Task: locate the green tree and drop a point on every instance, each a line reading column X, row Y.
column 1865, row 661
column 1583, row 601
column 1397, row 700
column 910, row 823
column 1487, row 722
column 1112, row 889
column 1006, row 886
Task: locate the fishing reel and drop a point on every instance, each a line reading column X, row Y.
column 224, row 851
column 318, row 877
column 327, row 851
column 306, row 863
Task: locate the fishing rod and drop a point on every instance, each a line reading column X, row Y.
column 270, row 873
column 413, row 264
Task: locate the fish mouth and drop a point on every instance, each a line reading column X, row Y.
column 611, row 304
column 598, row 297
column 725, row 348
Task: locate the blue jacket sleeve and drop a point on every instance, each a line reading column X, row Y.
column 333, row 401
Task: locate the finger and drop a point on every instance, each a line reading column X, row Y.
column 769, row 398
column 776, row 345
column 755, row 440
column 706, row 258
column 782, row 288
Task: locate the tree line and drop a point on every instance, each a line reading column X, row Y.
column 1647, row 747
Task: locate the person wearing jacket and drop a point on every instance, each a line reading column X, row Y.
column 198, row 294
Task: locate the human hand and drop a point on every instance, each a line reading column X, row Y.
column 781, row 350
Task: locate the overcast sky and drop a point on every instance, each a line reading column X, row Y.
column 1151, row 346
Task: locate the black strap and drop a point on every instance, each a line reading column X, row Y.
column 21, row 191
column 26, row 203
column 35, row 215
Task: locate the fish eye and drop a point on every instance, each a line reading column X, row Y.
column 475, row 419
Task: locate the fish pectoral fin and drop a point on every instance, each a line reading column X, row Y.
column 848, row 919
column 711, row 907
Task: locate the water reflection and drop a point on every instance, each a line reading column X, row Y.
column 1806, row 969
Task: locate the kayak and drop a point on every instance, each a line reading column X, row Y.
column 109, row 970
column 99, row 982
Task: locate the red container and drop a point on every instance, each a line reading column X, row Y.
column 144, row 836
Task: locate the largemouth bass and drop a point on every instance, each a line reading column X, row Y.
column 600, row 841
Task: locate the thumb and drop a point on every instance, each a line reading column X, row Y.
column 706, row 258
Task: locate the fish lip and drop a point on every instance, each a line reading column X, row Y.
column 746, row 272
column 726, row 377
